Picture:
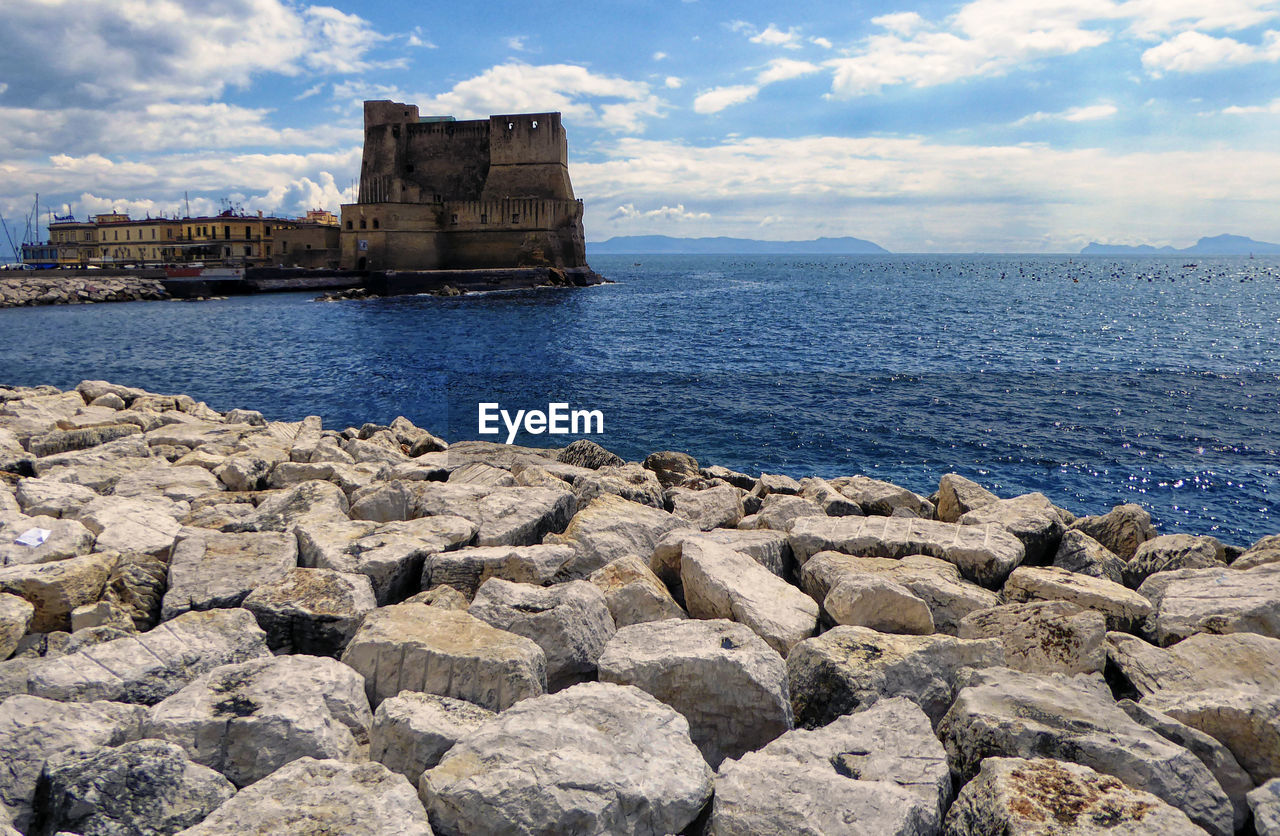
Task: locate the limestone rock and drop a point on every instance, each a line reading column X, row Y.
column 15, row 618
column 628, row 481
column 91, row 390
column 312, row 611
column 55, row 589
column 958, row 496
column 416, row 647
column 51, row 498
column 303, row 503
column 1122, row 529
column 505, row 516
column 147, row 667
column 596, row 758
column 466, row 569
column 1080, row 553
column 673, row 468
column 1045, row 797
column 137, row 586
column 612, row 527
column 586, row 453
column 1265, row 803
column 1266, row 550
column 1043, row 636
column 209, row 570
column 479, row 473
column 733, row 477
column 180, row 484
column 249, row 719
column 569, row 621
column 1221, row 600
column 881, row 498
column 35, row 730
column 729, row 684
column 146, row 786
column 875, row 601
column 778, row 511
column 634, row 593
column 985, row 554
column 440, row 596
column 874, row 773
column 718, row 507
column 832, row 502
column 310, row 796
column 1247, row 722
column 1171, row 552
column 775, row 483
column 67, row 538
column 720, row 582
column 768, row 548
column 412, row 731
column 1123, row 608
column 1006, row 713
column 392, row 555
column 1032, row 518
column 1202, row 662
column 847, row 669
column 132, row 524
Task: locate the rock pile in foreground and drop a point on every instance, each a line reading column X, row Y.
column 211, row 623
column 84, row 289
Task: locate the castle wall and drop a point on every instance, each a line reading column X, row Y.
column 528, row 157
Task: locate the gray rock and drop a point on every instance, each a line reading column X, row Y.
column 1202, row 662
column 881, row 498
column 147, row 667
column 1245, row 721
column 1043, row 636
column 958, row 496
column 847, row 669
column 628, row 481
column 137, row 585
column 301, row 504
column 985, row 554
column 417, row 647
column 768, row 548
column 440, row 596
column 211, row 570
column 1123, row 608
column 504, row 516
column 310, row 796
column 180, row 484
column 611, row 527
column 392, row 555
column 1266, row 550
column 1006, row 713
column 312, row 611
column 877, row 772
column 55, row 589
column 15, row 618
column 634, row 593
column 147, row 786
column 466, row 569
column 249, row 719
column 91, row 390
column 673, row 468
column 596, row 758
column 718, row 507
column 63, row 441
column 832, row 502
column 1171, row 552
column 132, row 524
column 875, row 601
column 1265, row 803
column 50, row 498
column 720, row 582
column 778, row 511
column 1121, row 530
column 1032, row 518
column 35, row 730
column 1041, row 796
column 413, row 730
column 1080, row 553
column 586, row 453
column 479, row 473
column 1221, row 600
column 102, row 614
column 67, row 538
column 775, row 483
column 729, row 684
column 569, row 621
column 733, row 477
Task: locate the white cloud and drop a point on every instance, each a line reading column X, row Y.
column 1241, row 110
column 659, row 56
column 783, row 69
column 664, row 213
column 673, row 82
column 1190, row 52
column 418, row 38
column 314, row 90
column 1153, row 18
column 1088, row 113
column 773, row 36
column 517, row 42
column 616, row 104
column 822, row 42
column 3, row 87
column 719, row 98
column 901, row 23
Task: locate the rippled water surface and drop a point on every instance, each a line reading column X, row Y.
column 1094, row 380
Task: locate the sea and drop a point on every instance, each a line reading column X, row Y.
column 1095, row 380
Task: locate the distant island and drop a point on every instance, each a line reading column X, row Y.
column 664, row 244
column 1215, row 245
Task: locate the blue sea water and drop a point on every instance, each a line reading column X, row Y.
column 1096, row 380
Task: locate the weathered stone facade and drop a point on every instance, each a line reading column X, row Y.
column 442, row 194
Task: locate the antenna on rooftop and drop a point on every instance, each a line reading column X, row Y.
column 187, row 199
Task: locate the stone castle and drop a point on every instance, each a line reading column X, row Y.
column 436, row 193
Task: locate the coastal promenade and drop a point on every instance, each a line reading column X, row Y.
column 243, row 625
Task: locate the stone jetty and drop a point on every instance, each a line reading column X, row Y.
column 212, row 623
column 82, row 288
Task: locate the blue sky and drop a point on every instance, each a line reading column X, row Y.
column 992, row 125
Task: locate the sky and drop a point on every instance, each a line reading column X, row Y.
column 925, row 126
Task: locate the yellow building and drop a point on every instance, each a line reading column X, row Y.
column 124, row 241
column 72, row 240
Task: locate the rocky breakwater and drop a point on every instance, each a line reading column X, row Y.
column 78, row 289
column 211, row 623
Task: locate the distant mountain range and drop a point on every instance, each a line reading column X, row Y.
column 659, row 244
column 1216, row 245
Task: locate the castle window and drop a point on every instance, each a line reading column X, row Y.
column 375, row 223
column 248, row 233
column 363, row 225
column 308, row 246
column 484, row 219
column 266, row 231
column 535, row 124
column 153, row 233
column 408, row 169
column 226, row 232
column 248, row 250
column 454, row 219
column 126, row 235
column 349, row 225
column 515, row 218
column 284, row 246
column 226, row 251
column 511, row 126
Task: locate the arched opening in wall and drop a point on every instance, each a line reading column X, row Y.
column 375, row 223
column 362, row 224
column 362, row 264
column 350, row 225
column 534, row 125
